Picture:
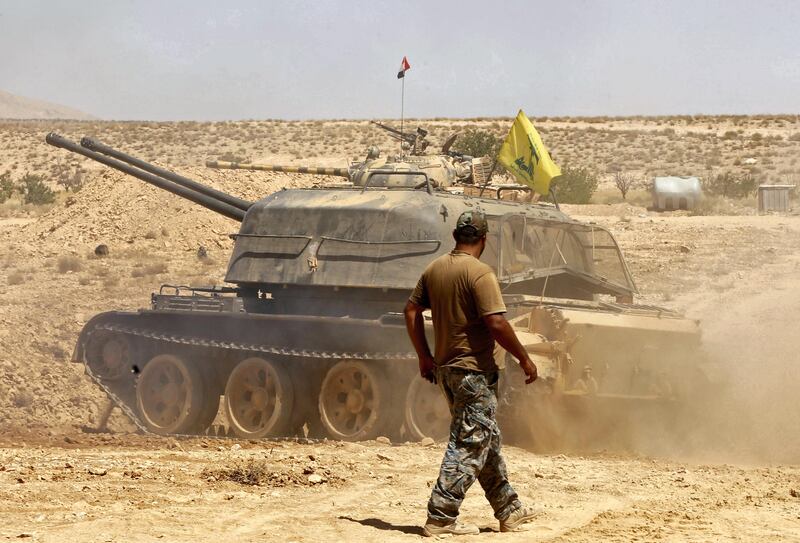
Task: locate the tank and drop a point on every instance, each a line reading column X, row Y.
column 446, row 170
column 309, row 336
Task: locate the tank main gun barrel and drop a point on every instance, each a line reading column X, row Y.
column 310, row 170
column 203, row 199
column 99, row 147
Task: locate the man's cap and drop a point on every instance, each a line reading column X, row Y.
column 473, row 220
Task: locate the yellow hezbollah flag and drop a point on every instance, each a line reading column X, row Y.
column 525, row 156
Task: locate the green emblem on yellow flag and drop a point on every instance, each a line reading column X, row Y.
column 524, row 155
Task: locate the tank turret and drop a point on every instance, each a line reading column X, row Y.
column 408, row 169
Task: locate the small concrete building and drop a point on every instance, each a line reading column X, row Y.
column 673, row 192
column 774, row 198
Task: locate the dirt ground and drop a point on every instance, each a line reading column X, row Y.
column 131, row 488
column 738, row 274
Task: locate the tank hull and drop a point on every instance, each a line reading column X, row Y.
column 356, row 378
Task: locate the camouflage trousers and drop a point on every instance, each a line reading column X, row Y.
column 473, row 451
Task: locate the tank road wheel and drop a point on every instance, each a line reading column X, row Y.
column 170, row 395
column 426, row 412
column 258, row 399
column 109, row 355
column 354, row 402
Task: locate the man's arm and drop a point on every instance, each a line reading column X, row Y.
column 415, row 325
column 504, row 335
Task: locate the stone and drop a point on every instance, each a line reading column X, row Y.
column 427, row 442
column 97, row 471
column 383, row 439
column 315, row 479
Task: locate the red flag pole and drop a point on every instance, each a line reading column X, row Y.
column 402, row 108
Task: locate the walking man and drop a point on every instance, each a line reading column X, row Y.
column 468, row 317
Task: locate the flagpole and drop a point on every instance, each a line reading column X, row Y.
column 402, row 107
column 488, row 178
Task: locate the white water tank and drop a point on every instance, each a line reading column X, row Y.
column 670, row 193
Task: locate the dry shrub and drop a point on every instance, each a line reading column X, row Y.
column 575, row 185
column 68, row 263
column 260, row 473
column 151, row 234
column 6, row 187
column 625, row 182
column 16, row 278
column 35, row 191
column 110, row 282
column 731, row 184
column 252, row 473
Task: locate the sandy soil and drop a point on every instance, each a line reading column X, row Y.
column 736, row 476
column 127, row 488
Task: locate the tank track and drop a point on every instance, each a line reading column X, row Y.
column 205, row 342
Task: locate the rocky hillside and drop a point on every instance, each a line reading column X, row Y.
column 19, row 107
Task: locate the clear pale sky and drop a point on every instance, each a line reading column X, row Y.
column 205, row 60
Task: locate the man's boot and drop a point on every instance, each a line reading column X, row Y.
column 434, row 528
column 517, row 518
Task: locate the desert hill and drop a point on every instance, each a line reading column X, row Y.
column 20, row 107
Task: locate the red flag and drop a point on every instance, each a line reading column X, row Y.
column 404, row 66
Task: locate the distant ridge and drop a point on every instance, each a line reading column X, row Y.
column 19, row 107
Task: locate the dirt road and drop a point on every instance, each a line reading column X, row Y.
column 130, row 488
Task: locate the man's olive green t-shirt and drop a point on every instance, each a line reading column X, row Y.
column 460, row 290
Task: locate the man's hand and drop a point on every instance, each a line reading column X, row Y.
column 504, row 335
column 530, row 370
column 415, row 325
column 427, row 368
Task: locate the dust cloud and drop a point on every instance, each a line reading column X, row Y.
column 742, row 407
column 752, row 332
column 748, row 411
